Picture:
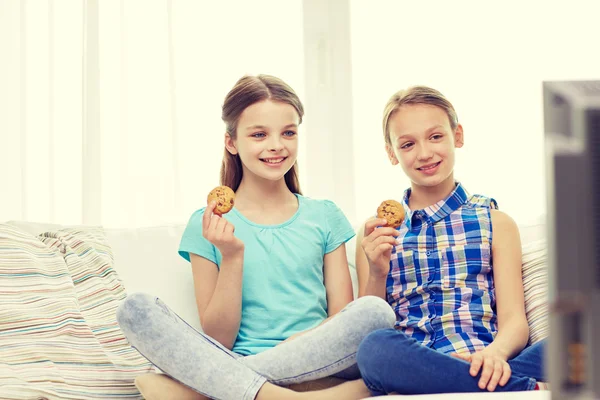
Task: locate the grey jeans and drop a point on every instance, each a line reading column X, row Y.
column 200, row 362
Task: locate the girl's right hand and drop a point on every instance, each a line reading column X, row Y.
column 219, row 232
column 377, row 244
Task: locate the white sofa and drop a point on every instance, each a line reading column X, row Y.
column 146, row 260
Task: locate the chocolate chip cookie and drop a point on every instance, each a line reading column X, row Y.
column 224, row 197
column 392, row 211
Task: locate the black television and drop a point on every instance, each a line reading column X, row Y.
column 572, row 138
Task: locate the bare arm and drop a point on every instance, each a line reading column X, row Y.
column 338, row 284
column 219, row 297
column 367, row 284
column 219, row 291
column 373, row 252
column 513, row 330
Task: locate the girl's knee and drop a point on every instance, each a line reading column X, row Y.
column 372, row 346
column 383, row 343
column 380, row 352
column 371, row 353
column 134, row 308
column 377, row 311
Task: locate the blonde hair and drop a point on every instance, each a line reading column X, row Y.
column 417, row 95
column 247, row 91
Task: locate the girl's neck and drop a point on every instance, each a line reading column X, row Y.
column 262, row 194
column 425, row 196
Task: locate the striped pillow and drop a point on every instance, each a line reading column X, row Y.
column 535, row 285
column 58, row 332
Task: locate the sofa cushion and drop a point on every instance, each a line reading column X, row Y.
column 535, row 285
column 58, row 333
column 37, row 228
column 147, row 261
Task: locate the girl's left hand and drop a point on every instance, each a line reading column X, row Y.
column 494, row 368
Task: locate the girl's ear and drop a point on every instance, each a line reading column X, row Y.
column 391, row 155
column 459, row 137
column 230, row 144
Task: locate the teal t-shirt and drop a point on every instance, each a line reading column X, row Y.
column 283, row 290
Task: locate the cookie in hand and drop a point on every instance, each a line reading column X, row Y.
column 224, row 197
column 392, row 211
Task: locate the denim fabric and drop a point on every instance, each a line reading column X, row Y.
column 390, row 361
column 200, row 362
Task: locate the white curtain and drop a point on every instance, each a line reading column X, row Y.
column 490, row 60
column 40, row 110
column 110, row 110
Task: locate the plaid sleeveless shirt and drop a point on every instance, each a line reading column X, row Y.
column 440, row 282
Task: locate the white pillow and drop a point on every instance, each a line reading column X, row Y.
column 57, row 318
column 147, row 261
column 535, row 285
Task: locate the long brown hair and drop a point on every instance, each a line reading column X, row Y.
column 247, row 91
column 417, row 95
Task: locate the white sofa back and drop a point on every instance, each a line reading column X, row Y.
column 147, row 260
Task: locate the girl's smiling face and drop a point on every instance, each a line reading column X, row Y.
column 423, row 143
column 267, row 139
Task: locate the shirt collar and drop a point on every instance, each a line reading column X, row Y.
column 439, row 210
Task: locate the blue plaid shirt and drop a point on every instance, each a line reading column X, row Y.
column 440, row 282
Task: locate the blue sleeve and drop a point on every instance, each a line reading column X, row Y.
column 192, row 240
column 339, row 228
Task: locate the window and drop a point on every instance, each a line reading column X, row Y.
column 490, row 61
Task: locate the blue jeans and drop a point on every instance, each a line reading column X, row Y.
column 390, row 361
column 201, row 363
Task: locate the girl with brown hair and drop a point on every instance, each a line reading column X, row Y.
column 271, row 270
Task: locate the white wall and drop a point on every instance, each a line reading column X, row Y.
column 40, row 110
column 119, row 124
column 489, row 59
column 162, row 95
column 159, row 138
